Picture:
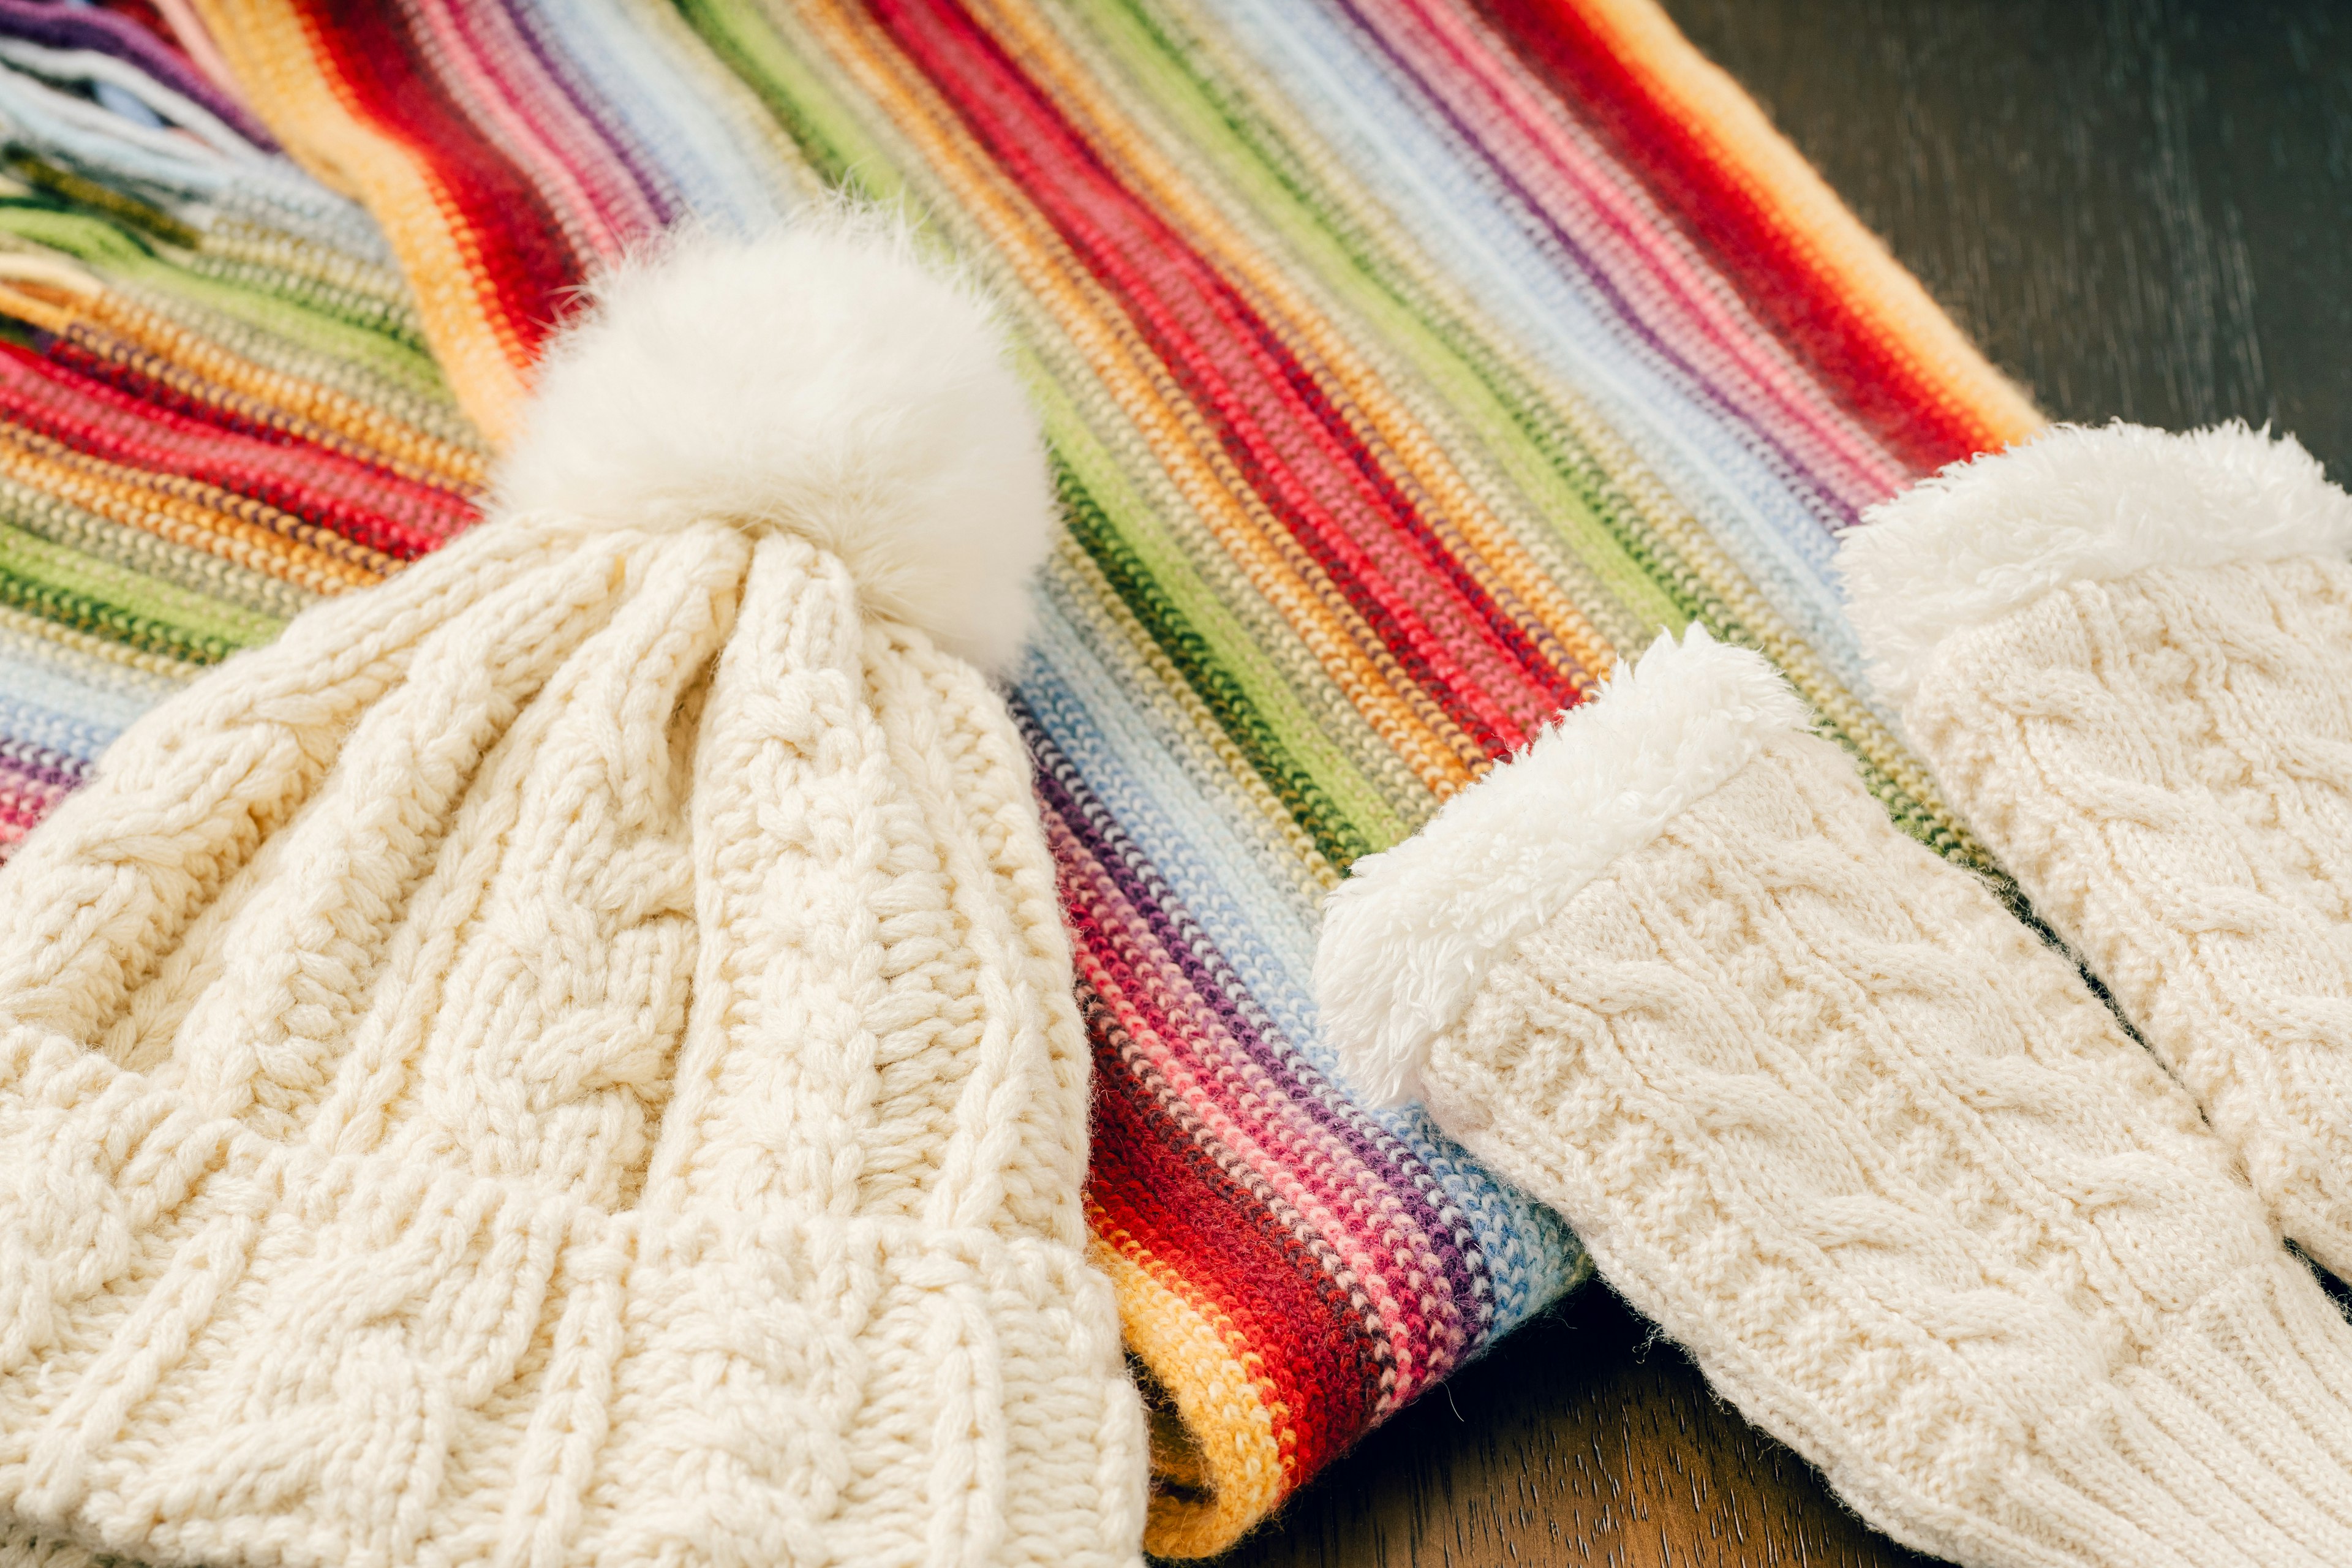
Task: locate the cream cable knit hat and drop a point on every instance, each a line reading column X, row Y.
column 2127, row 656
column 1831, row 1118
column 568, row 1056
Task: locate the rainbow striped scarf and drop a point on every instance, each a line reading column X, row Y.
column 1402, row 362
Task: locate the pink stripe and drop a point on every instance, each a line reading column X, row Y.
column 24, row 800
column 1680, row 296
column 1329, row 496
column 1248, row 1117
column 492, row 73
column 1311, row 471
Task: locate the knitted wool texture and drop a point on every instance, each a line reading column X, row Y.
column 1404, row 363
column 2127, row 655
column 569, row 1057
column 1837, row 1123
column 20, row 1548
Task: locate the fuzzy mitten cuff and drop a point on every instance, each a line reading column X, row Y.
column 2127, row 656
column 1825, row 1112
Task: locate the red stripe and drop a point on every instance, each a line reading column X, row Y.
column 1129, row 964
column 1158, row 1172
column 523, row 267
column 1265, row 411
column 1869, row 375
column 376, row 508
column 1168, row 1194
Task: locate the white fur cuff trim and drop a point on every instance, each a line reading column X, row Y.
column 1985, row 538
column 1408, row 938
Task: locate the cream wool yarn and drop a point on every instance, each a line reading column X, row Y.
column 1826, row 1113
column 2127, row 656
column 20, row 1548
column 568, row 1056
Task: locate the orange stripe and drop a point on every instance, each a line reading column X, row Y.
column 124, row 495
column 270, row 46
column 1854, row 260
column 1229, row 1413
column 1484, row 543
column 372, row 433
column 1277, row 564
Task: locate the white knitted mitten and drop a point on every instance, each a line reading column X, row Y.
column 1821, row 1108
column 2127, row 655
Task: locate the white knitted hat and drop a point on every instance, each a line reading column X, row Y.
column 568, row 1056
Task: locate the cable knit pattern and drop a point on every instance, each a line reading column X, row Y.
column 2163, row 758
column 1819, row 1106
column 568, row 1057
column 1822, row 1110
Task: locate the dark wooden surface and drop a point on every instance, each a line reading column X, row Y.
column 2140, row 208
column 1577, row 1440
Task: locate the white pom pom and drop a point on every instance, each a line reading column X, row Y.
column 824, row 380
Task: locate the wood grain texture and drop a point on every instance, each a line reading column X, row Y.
column 1578, row 1440
column 2141, row 208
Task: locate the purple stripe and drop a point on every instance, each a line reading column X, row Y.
column 52, row 769
column 669, row 207
column 1196, row 957
column 1799, row 474
column 56, row 28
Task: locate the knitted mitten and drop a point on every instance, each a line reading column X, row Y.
column 2128, row 658
column 1821, row 1108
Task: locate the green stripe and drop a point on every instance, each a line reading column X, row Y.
column 274, row 301
column 86, row 613
column 1214, row 676
column 271, row 601
column 199, row 621
column 1452, row 354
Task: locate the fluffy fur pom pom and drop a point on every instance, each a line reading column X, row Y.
column 1408, row 937
column 824, row 380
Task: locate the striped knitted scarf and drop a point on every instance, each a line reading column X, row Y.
column 1402, row 361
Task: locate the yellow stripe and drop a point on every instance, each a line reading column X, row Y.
column 1413, row 455
column 378, row 434
column 1170, row 425
column 1228, row 1413
column 127, row 496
